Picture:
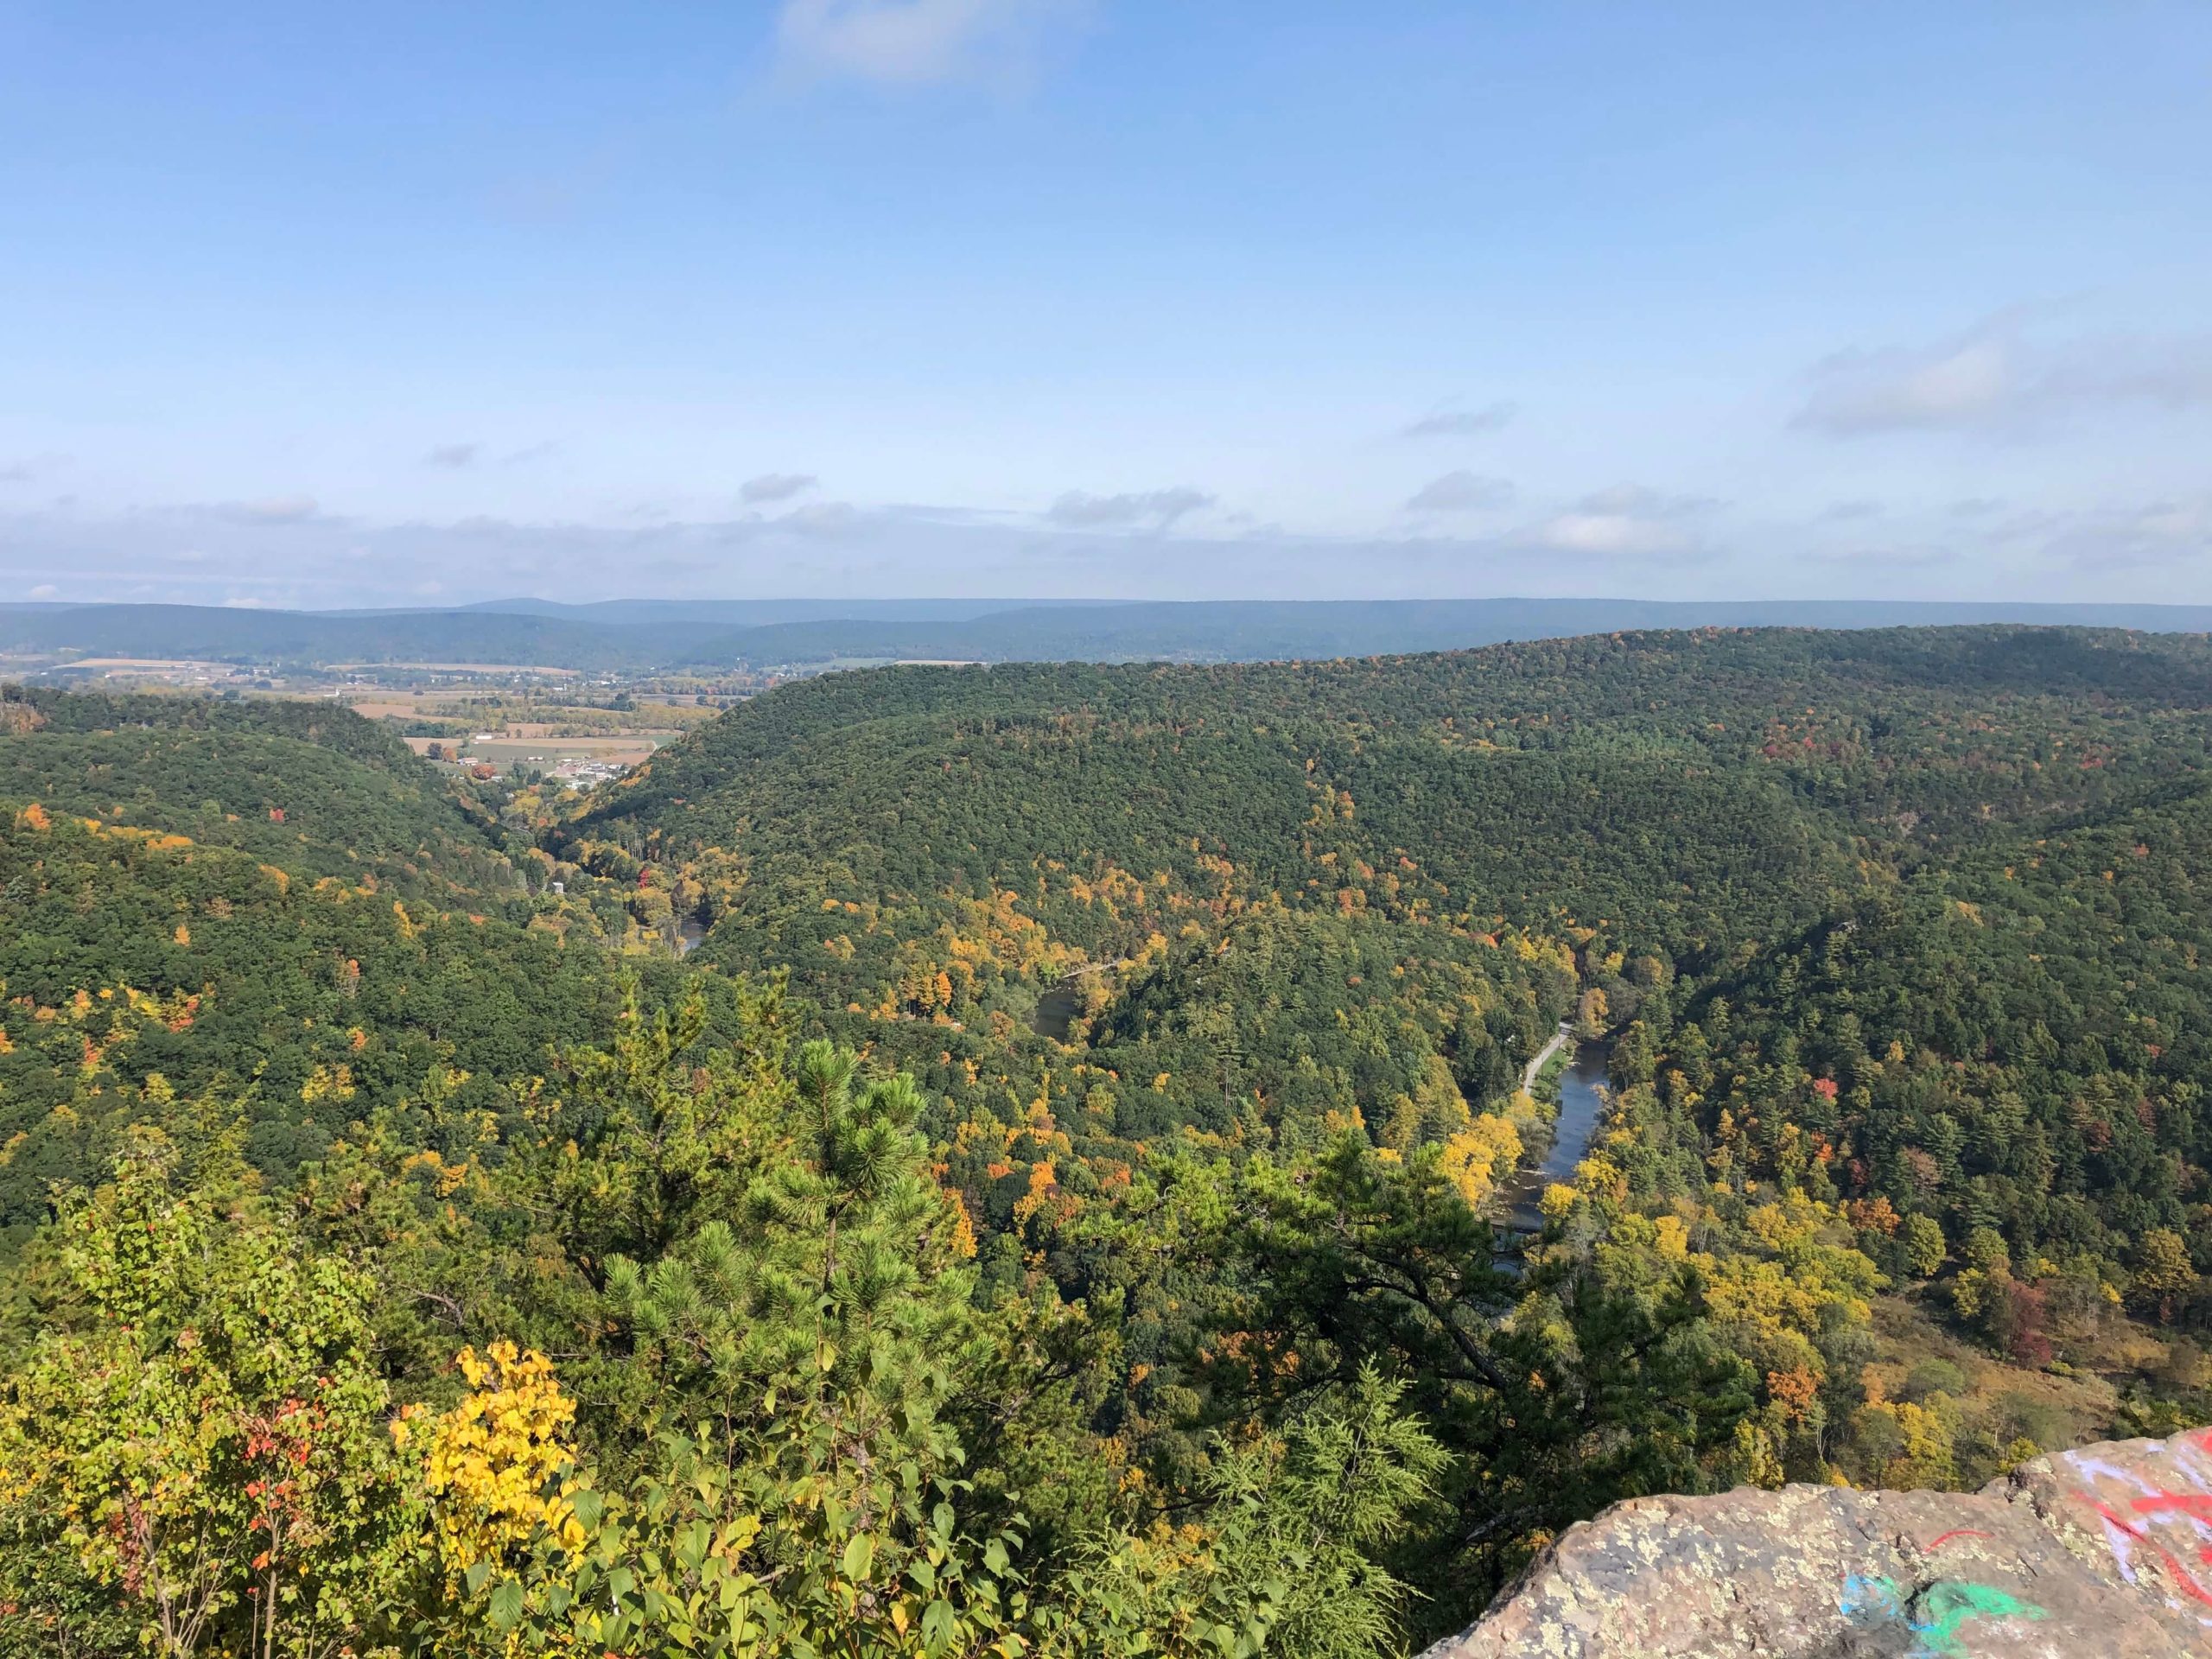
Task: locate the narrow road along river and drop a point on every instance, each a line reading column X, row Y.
column 1560, row 1039
column 1580, row 1105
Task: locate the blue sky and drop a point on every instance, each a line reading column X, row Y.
column 419, row 303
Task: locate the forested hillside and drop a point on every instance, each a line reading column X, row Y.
column 944, row 846
column 1053, row 1210
column 311, row 785
column 274, row 904
column 1259, row 904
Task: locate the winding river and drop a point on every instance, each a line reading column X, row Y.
column 1581, row 1104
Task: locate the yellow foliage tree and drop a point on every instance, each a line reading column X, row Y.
column 499, row 1464
column 1474, row 1159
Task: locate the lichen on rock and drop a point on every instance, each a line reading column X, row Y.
column 2106, row 1552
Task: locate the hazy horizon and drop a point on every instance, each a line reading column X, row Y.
column 1105, row 299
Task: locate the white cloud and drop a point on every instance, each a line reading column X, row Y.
column 1909, row 556
column 2160, row 533
column 824, row 520
column 1461, row 492
column 270, row 510
column 1642, row 501
column 45, row 590
column 29, row 468
column 1996, row 376
column 915, row 43
column 1625, row 520
column 1460, row 423
column 1157, row 509
column 454, row 455
column 1610, row 533
column 775, row 487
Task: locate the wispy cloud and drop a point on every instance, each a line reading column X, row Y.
column 454, row 455
column 1997, row 376
column 775, row 487
column 1461, row 492
column 269, row 510
column 1627, row 520
column 1909, row 556
column 2158, row 533
column 29, row 468
column 825, row 520
column 1447, row 423
column 1154, row 509
column 917, row 42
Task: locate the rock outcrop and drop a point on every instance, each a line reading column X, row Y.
column 2104, row 1553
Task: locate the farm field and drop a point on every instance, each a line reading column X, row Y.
column 622, row 751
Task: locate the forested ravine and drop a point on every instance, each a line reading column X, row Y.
column 1056, row 1208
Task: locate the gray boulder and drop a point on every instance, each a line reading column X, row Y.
column 2104, row 1551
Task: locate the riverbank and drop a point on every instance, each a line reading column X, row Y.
column 1529, row 1073
column 1582, row 1082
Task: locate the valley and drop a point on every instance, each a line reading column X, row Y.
column 1206, row 1020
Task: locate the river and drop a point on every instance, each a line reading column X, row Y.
column 1581, row 1104
column 1056, row 1006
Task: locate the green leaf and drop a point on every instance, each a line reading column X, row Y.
column 936, row 1626
column 691, row 1545
column 477, row 1574
column 860, row 1556
column 506, row 1604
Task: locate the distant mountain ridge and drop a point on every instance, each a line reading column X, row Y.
column 1267, row 629
column 758, row 612
column 640, row 635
